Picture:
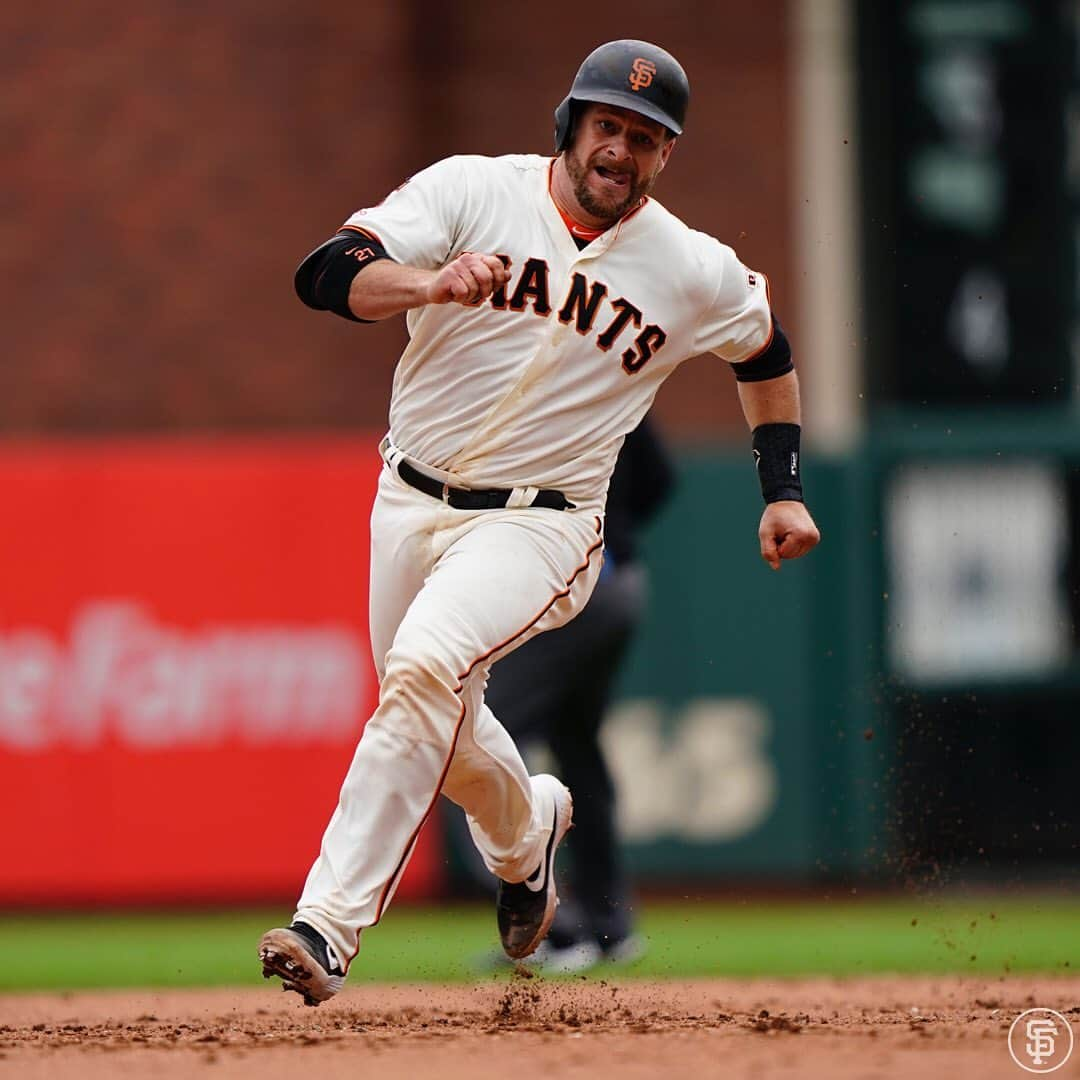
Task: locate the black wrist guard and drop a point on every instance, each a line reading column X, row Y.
column 776, row 453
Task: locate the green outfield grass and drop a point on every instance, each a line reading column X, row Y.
column 691, row 938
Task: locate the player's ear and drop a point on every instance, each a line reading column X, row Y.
column 666, row 150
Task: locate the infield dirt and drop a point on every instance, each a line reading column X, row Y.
column 868, row 1028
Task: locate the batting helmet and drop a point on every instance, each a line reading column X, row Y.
column 634, row 75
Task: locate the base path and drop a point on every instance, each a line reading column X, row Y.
column 528, row 1026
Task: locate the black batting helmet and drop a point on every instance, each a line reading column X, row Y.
column 634, row 75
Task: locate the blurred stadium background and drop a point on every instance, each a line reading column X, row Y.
column 188, row 457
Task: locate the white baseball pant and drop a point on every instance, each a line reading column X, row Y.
column 451, row 592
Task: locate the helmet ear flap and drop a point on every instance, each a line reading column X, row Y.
column 564, row 124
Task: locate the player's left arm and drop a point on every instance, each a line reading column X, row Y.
column 737, row 324
column 772, row 410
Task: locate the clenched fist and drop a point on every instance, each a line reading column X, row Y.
column 786, row 531
column 469, row 279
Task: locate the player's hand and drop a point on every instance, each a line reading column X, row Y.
column 786, row 531
column 469, row 279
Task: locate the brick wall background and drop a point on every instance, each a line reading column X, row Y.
column 167, row 165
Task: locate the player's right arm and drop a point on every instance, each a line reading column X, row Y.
column 405, row 252
column 353, row 276
column 387, row 288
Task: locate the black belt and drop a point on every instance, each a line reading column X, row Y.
column 464, row 499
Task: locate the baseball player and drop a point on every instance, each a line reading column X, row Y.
column 546, row 300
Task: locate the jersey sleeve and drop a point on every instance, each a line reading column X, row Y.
column 736, row 323
column 418, row 223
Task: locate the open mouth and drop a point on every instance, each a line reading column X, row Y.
column 618, row 180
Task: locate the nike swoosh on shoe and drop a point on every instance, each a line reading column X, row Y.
column 526, row 909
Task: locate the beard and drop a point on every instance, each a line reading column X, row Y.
column 608, row 206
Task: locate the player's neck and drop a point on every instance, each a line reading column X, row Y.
column 577, row 230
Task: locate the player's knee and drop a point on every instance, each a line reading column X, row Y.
column 417, row 700
column 421, row 677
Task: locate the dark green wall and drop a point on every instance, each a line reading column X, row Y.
column 725, row 628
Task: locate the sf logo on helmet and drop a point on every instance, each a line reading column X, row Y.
column 641, row 73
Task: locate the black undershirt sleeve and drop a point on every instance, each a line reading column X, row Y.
column 324, row 278
column 772, row 362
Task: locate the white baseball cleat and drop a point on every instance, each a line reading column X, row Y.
column 572, row 957
column 525, row 909
column 303, row 961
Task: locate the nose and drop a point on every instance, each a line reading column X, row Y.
column 618, row 148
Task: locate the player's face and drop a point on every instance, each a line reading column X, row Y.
column 615, row 159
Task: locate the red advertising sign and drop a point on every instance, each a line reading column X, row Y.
column 184, row 665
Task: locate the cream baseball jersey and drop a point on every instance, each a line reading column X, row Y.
column 538, row 384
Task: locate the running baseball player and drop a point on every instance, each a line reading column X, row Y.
column 546, row 300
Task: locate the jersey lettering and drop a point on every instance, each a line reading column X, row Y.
column 533, row 282
column 581, row 307
column 576, row 302
column 626, row 313
column 645, row 344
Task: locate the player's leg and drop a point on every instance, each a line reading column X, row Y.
column 529, row 689
column 496, row 580
column 404, row 523
column 517, row 838
column 486, row 775
column 556, row 689
column 309, row 956
column 524, row 690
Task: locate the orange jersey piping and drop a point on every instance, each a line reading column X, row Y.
column 363, row 232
